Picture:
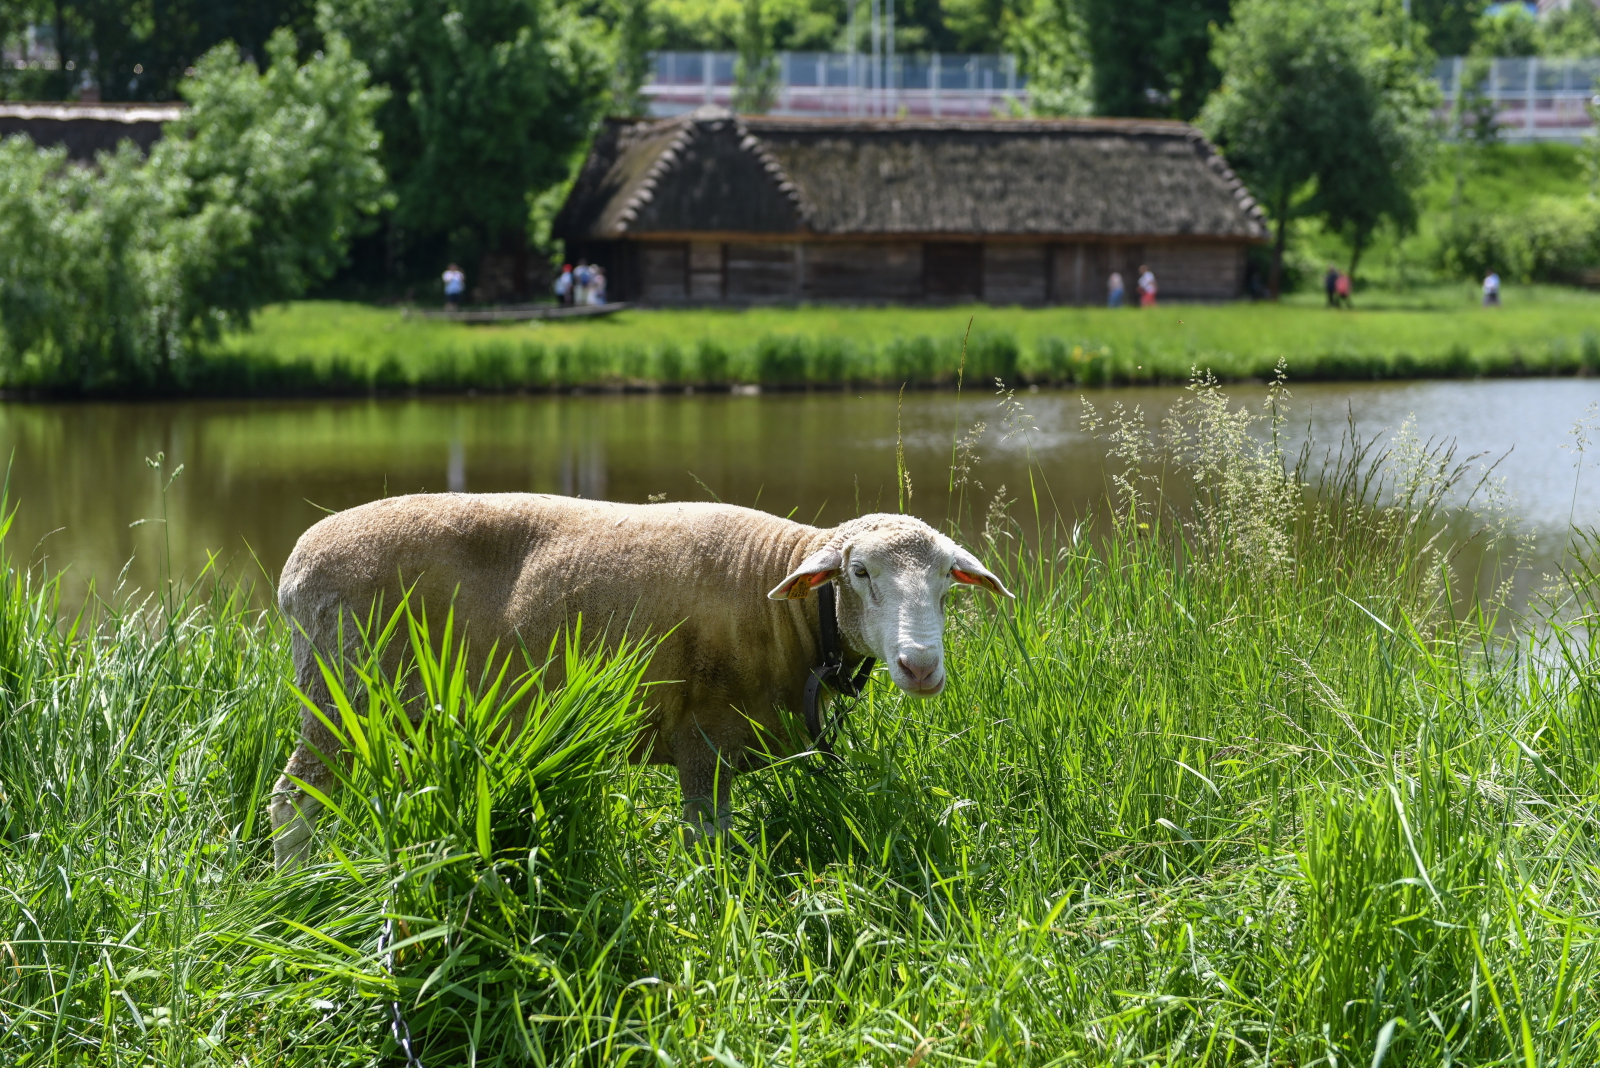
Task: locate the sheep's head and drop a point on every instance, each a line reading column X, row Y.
column 892, row 573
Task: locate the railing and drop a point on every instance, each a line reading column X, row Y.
column 845, row 83
column 1533, row 99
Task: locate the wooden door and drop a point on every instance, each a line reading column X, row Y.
column 952, row 270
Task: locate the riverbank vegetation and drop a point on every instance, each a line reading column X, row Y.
column 312, row 347
column 1232, row 784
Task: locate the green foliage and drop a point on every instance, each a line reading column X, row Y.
column 1325, row 100
column 489, row 100
column 1513, row 32
column 755, row 72
column 1573, row 32
column 1152, row 57
column 110, row 275
column 693, row 25
column 1390, row 149
column 478, row 874
column 1451, row 24
column 1510, row 32
column 140, row 50
column 290, row 150
column 1553, row 239
column 632, row 38
column 93, row 265
column 1048, row 40
column 1238, row 736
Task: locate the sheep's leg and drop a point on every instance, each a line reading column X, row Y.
column 294, row 812
column 707, row 785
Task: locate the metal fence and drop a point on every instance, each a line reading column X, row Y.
column 847, row 83
column 1533, row 99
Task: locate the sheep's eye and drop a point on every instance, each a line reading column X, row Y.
column 860, row 572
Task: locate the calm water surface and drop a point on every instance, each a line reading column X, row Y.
column 255, row 475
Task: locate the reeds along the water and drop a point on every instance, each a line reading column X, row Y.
column 1232, row 783
column 799, row 361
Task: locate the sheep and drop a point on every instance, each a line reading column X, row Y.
column 724, row 588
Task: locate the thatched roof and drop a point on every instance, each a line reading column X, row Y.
column 710, row 171
column 87, row 128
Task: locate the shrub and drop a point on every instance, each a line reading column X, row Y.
column 711, row 363
column 991, row 356
column 110, row 274
column 1552, row 241
column 781, row 361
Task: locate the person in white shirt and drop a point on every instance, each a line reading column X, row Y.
column 454, row 283
column 1114, row 290
column 564, row 285
column 1147, row 287
column 1491, row 290
column 597, row 286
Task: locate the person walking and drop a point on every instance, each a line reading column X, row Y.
column 1491, row 289
column 454, row 284
column 580, row 282
column 563, row 285
column 597, row 285
column 1147, row 287
column 1330, row 285
column 1341, row 291
column 1114, row 290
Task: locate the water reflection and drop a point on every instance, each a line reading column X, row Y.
column 255, row 475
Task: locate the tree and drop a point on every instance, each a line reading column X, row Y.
column 1152, row 57
column 1509, row 32
column 1049, row 44
column 1324, row 110
column 110, row 274
column 632, row 38
column 141, row 50
column 490, row 100
column 755, row 74
column 1452, row 25
column 1374, row 177
column 291, row 148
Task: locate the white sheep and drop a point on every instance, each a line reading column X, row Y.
column 727, row 587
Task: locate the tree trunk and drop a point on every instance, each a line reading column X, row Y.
column 1276, row 283
column 519, row 260
column 1357, row 243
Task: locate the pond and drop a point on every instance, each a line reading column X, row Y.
column 243, row 480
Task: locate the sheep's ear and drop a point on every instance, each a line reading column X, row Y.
column 967, row 571
column 821, row 566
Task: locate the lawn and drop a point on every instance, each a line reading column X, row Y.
column 1436, row 331
column 1230, row 786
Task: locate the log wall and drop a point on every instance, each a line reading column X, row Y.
column 996, row 272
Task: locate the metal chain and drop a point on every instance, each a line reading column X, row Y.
column 397, row 1020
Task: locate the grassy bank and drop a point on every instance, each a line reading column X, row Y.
column 328, row 347
column 1230, row 787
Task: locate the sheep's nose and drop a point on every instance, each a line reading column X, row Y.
column 918, row 674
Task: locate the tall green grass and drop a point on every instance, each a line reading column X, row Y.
column 322, row 347
column 1233, row 784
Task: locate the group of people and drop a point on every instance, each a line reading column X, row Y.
column 1337, row 285
column 1146, row 285
column 584, row 284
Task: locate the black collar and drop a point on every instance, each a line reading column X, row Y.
column 831, row 672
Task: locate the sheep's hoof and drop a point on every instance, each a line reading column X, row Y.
column 697, row 830
column 291, row 836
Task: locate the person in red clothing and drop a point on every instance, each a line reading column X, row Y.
column 1147, row 287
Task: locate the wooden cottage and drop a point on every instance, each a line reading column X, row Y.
column 711, row 208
